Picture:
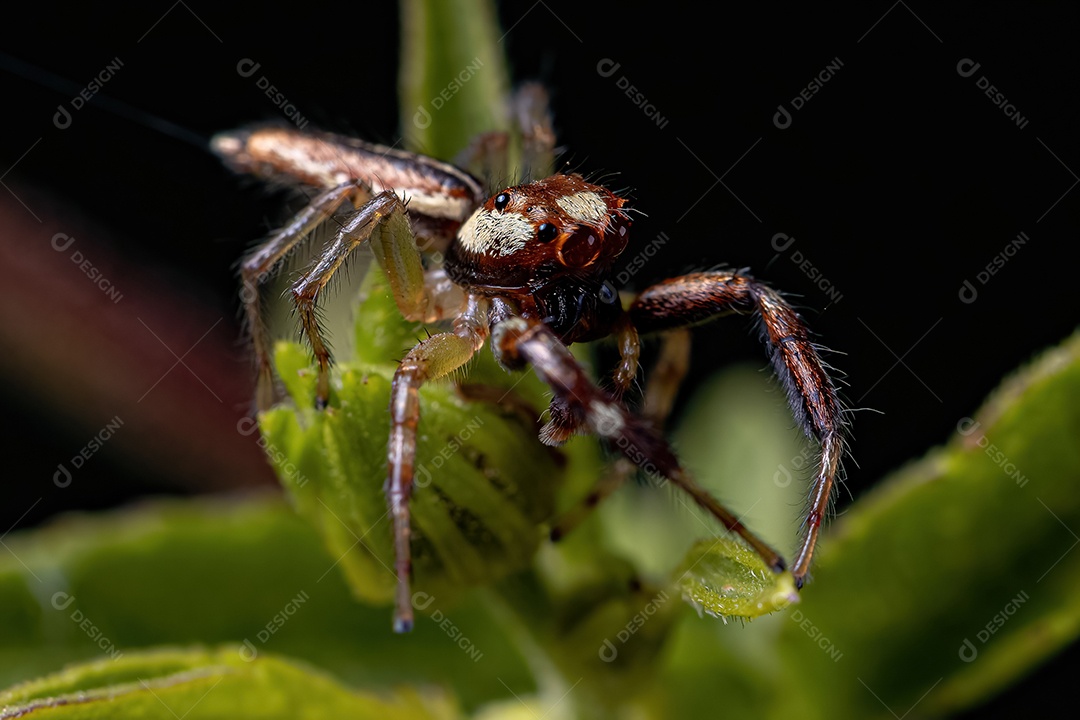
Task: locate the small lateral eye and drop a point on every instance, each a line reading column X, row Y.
column 501, row 201
column 547, row 232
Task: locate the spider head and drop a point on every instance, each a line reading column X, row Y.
column 528, row 235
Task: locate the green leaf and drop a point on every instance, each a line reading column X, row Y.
column 197, row 684
column 453, row 83
column 725, row 578
column 484, row 483
column 731, row 453
column 958, row 574
column 248, row 572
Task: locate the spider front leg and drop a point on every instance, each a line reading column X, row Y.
column 422, row 297
column 433, row 358
column 383, row 222
column 811, row 393
column 661, row 388
column 258, row 266
column 518, row 343
column 564, row 423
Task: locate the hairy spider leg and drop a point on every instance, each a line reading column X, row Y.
column 531, row 109
column 420, row 297
column 813, row 398
column 565, row 420
column 432, row 358
column 518, row 343
column 629, row 345
column 661, row 388
column 261, row 263
column 441, row 197
column 667, row 376
column 488, row 155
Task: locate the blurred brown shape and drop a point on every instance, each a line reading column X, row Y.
column 93, row 336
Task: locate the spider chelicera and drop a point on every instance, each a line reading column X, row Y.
column 529, row 270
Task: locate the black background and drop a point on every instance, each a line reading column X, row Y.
column 899, row 180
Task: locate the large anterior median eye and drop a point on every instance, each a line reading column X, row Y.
column 547, row 232
column 581, row 248
column 501, row 201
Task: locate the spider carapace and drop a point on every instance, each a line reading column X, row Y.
column 549, row 247
column 529, row 269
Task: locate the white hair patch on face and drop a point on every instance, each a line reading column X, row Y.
column 583, row 206
column 495, row 233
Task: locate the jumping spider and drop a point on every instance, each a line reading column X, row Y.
column 528, row 268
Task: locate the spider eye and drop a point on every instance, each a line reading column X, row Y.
column 608, row 294
column 546, row 233
column 501, row 201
